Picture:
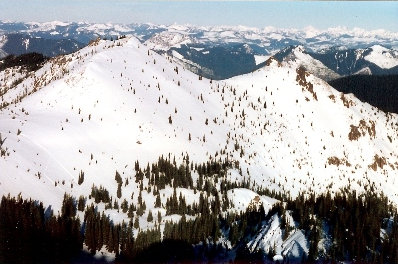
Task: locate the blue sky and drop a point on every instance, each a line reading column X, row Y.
column 286, row 14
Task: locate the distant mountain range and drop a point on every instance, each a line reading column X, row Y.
column 224, row 51
column 17, row 44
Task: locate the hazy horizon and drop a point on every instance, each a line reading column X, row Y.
column 298, row 15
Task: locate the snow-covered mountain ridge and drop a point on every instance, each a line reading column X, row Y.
column 111, row 103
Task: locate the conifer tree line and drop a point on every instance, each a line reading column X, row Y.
column 354, row 221
column 29, row 234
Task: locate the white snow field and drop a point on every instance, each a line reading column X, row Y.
column 383, row 57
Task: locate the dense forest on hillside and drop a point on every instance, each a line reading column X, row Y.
column 361, row 227
column 379, row 91
column 30, row 61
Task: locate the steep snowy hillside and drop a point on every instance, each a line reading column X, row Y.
column 317, row 134
column 110, row 104
column 113, row 104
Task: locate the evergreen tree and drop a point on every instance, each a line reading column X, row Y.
column 159, row 217
column 124, row 206
column 81, row 178
column 136, row 223
column 119, row 191
column 150, row 216
column 82, row 203
column 68, row 207
column 158, row 202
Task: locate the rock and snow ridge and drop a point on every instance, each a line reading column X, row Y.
column 114, row 102
column 297, row 56
column 382, row 57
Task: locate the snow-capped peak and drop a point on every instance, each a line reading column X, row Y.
column 297, row 56
column 382, row 57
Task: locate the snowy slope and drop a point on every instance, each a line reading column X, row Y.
column 382, row 57
column 307, row 136
column 119, row 125
column 108, row 105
